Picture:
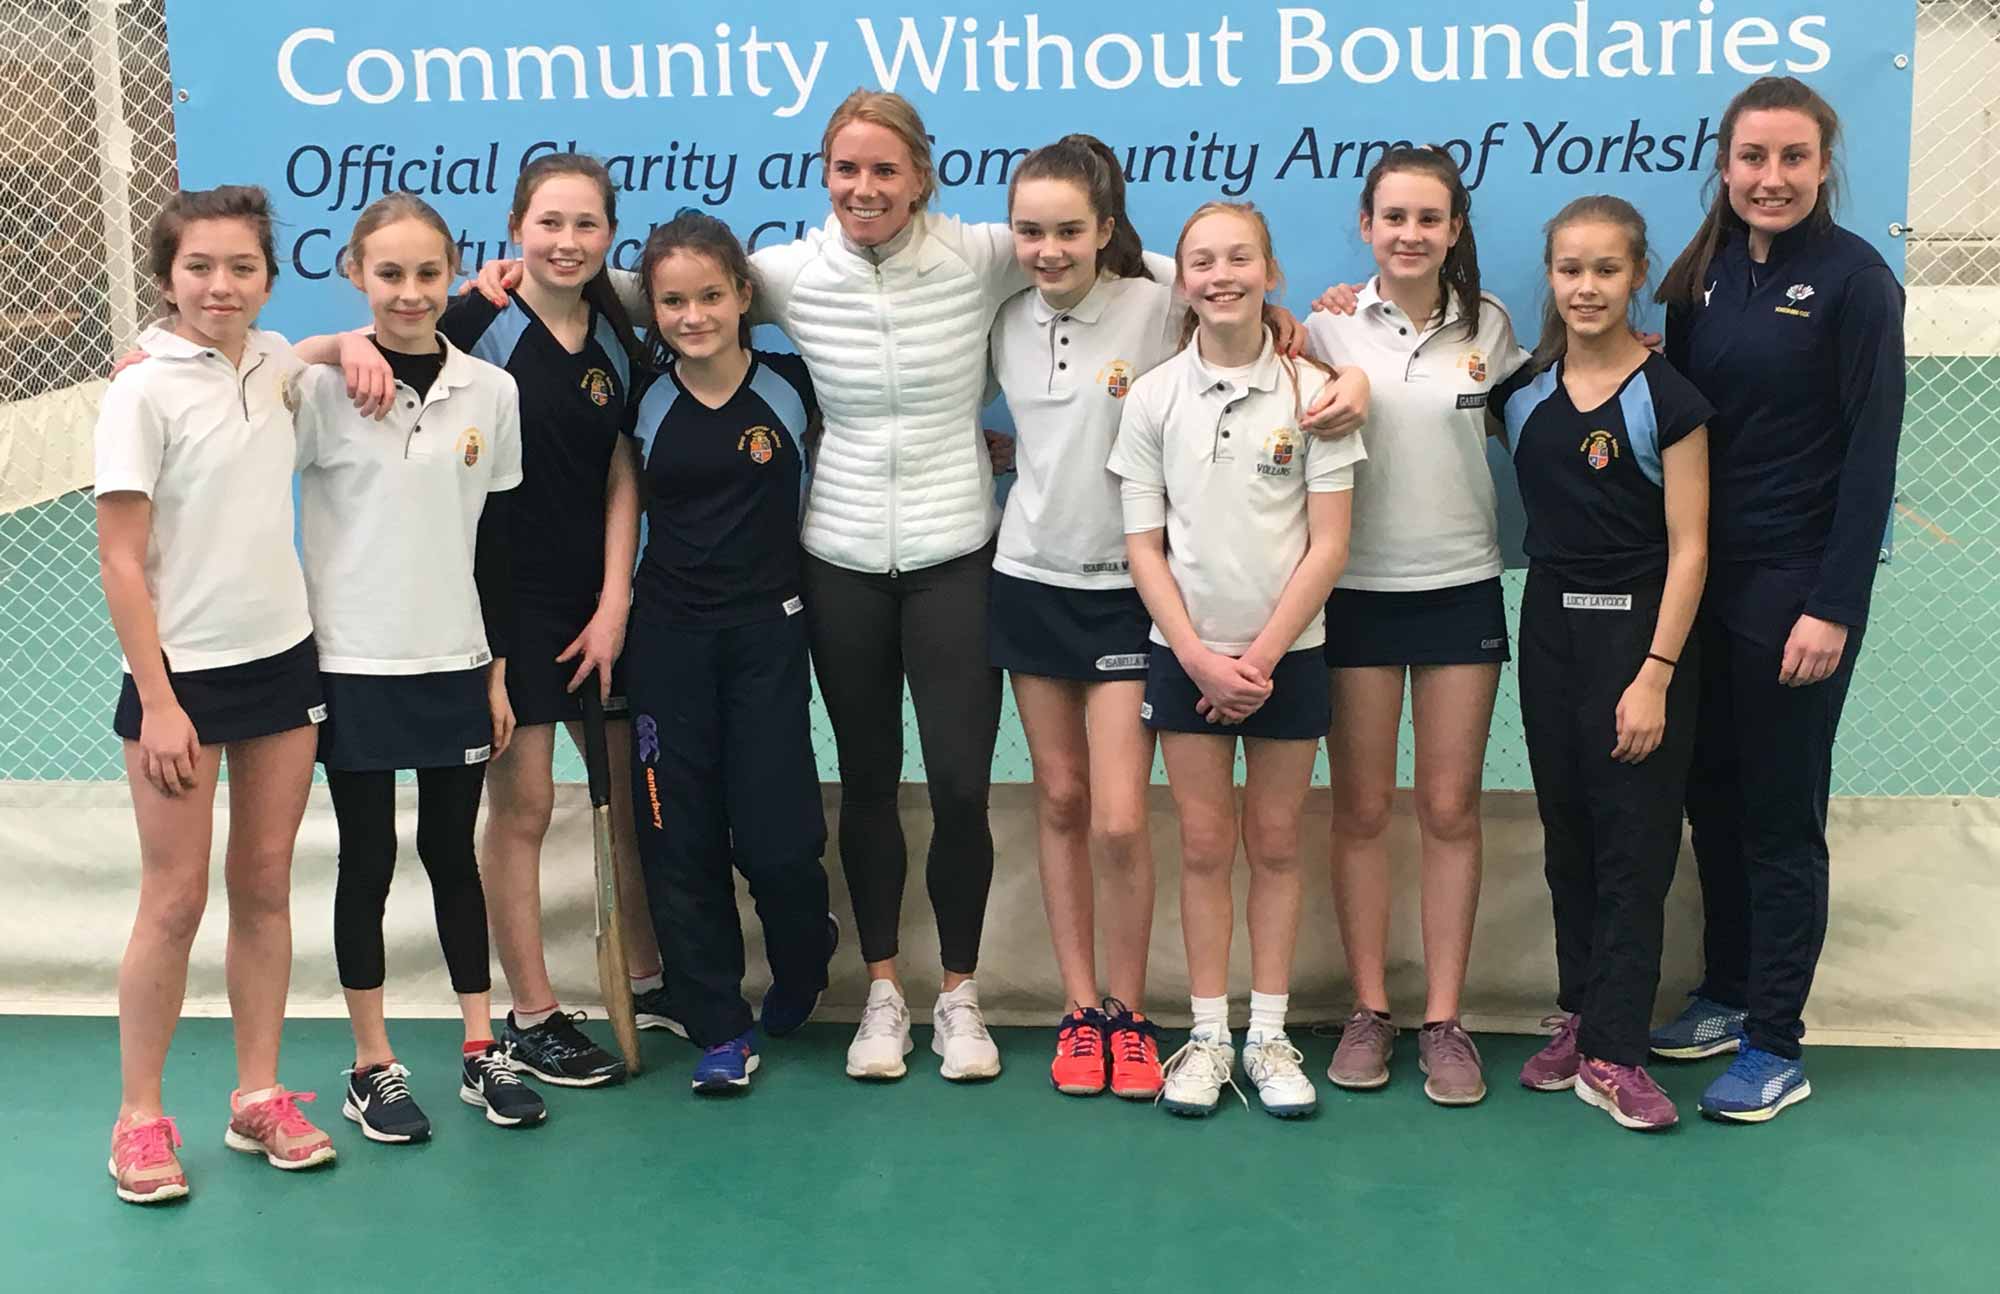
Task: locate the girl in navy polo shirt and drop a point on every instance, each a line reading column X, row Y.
column 1610, row 448
column 723, row 774
column 1793, row 327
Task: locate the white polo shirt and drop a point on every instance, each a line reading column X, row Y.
column 211, row 445
column 1065, row 374
column 390, row 515
column 1218, row 458
column 1423, row 502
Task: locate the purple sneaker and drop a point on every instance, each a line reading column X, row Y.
column 1627, row 1093
column 1553, row 1068
column 1450, row 1062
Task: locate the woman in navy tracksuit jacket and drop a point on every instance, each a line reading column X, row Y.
column 1792, row 327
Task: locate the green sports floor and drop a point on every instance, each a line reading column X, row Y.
column 1884, row 1180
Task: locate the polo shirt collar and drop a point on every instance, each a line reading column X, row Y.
column 1263, row 373
column 1089, row 310
column 160, row 341
column 1371, row 297
column 457, row 370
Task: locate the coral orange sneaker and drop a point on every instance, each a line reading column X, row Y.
column 1135, row 1053
column 1078, row 1069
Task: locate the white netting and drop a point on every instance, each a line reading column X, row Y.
column 87, row 156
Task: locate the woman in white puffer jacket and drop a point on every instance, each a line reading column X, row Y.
column 890, row 305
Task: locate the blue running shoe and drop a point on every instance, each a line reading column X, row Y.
column 1755, row 1087
column 727, row 1066
column 1703, row 1028
column 786, row 1011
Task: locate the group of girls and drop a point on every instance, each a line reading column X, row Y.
column 1198, row 547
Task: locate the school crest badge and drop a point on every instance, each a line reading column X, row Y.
column 470, row 443
column 759, row 443
column 1475, row 365
column 1279, row 449
column 1599, row 448
column 597, row 385
column 288, row 393
column 1116, row 378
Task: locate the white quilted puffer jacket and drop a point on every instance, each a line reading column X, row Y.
column 895, row 338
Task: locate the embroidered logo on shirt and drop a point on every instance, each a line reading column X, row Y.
column 759, row 443
column 1798, row 294
column 1279, row 448
column 1710, row 292
column 1116, row 378
column 1599, row 448
column 1475, row 366
column 597, row 385
column 469, row 443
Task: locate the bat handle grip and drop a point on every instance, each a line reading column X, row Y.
column 596, row 755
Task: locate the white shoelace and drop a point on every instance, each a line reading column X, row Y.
column 494, row 1065
column 962, row 1019
column 1281, row 1060
column 391, row 1084
column 883, row 1018
column 1208, row 1062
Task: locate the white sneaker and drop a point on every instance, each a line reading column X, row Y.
column 1277, row 1068
column 959, row 1036
column 1196, row 1075
column 884, row 1036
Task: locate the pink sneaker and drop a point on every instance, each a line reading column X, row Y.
column 1627, row 1093
column 143, row 1162
column 278, row 1130
column 1553, row 1068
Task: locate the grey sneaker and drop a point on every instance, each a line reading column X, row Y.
column 1361, row 1061
column 1451, row 1064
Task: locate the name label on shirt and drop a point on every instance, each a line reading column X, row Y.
column 317, row 714
column 1106, row 568
column 1477, row 400
column 478, row 658
column 478, row 754
column 1109, row 663
column 794, row 605
column 1597, row 601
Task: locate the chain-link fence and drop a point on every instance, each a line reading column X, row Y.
column 87, row 156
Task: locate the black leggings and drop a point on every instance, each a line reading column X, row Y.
column 364, row 806
column 869, row 632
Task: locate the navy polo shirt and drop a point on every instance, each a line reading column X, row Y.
column 1802, row 356
column 1593, row 482
column 573, row 408
column 722, row 497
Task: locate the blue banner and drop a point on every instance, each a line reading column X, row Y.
column 722, row 107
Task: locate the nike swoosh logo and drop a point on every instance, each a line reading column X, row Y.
column 365, row 1103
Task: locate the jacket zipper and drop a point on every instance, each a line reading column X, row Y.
column 895, row 411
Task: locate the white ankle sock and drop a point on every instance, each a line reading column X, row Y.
column 1267, row 1014
column 1211, row 1016
column 245, row 1100
column 648, row 983
column 529, row 1019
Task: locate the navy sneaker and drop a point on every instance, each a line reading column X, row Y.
column 1755, row 1087
column 654, row 1009
column 488, row 1082
column 378, row 1098
column 1703, row 1028
column 727, row 1066
column 558, row 1052
column 787, row 1012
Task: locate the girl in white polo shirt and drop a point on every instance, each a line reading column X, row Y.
column 1420, row 595
column 194, row 515
column 1236, row 523
column 1064, row 620
column 413, row 644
